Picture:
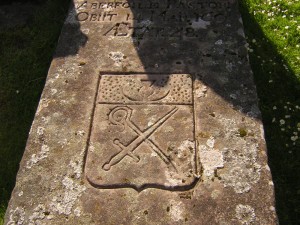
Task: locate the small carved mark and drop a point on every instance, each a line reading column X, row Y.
column 145, row 91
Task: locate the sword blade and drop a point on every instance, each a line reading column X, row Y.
column 152, row 145
column 136, row 142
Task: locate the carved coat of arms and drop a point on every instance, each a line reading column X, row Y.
column 142, row 133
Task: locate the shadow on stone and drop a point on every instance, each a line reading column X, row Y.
column 198, row 38
column 284, row 88
column 71, row 35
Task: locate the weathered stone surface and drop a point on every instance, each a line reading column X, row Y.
column 149, row 116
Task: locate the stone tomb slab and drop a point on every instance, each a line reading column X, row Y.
column 143, row 133
column 149, row 115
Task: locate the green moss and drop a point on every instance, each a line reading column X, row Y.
column 203, row 135
column 242, row 132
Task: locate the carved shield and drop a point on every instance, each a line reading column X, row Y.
column 142, row 133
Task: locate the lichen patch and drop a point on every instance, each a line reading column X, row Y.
column 245, row 214
column 117, row 57
column 210, row 142
column 241, row 178
column 244, row 171
column 201, row 92
column 241, row 169
column 16, row 216
column 35, row 158
column 176, row 210
column 63, row 204
column 77, row 167
column 172, row 178
column 186, row 147
column 211, row 159
column 38, row 215
column 40, row 130
column 65, row 199
column 43, row 104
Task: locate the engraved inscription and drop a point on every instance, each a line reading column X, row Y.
column 156, row 19
column 142, row 133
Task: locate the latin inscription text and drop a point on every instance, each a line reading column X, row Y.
column 155, row 19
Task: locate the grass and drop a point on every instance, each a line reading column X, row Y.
column 25, row 55
column 272, row 29
column 273, row 32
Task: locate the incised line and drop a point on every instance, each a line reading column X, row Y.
column 121, row 116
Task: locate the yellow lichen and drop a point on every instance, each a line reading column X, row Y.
column 242, row 132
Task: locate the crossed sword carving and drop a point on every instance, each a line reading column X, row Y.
column 121, row 116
